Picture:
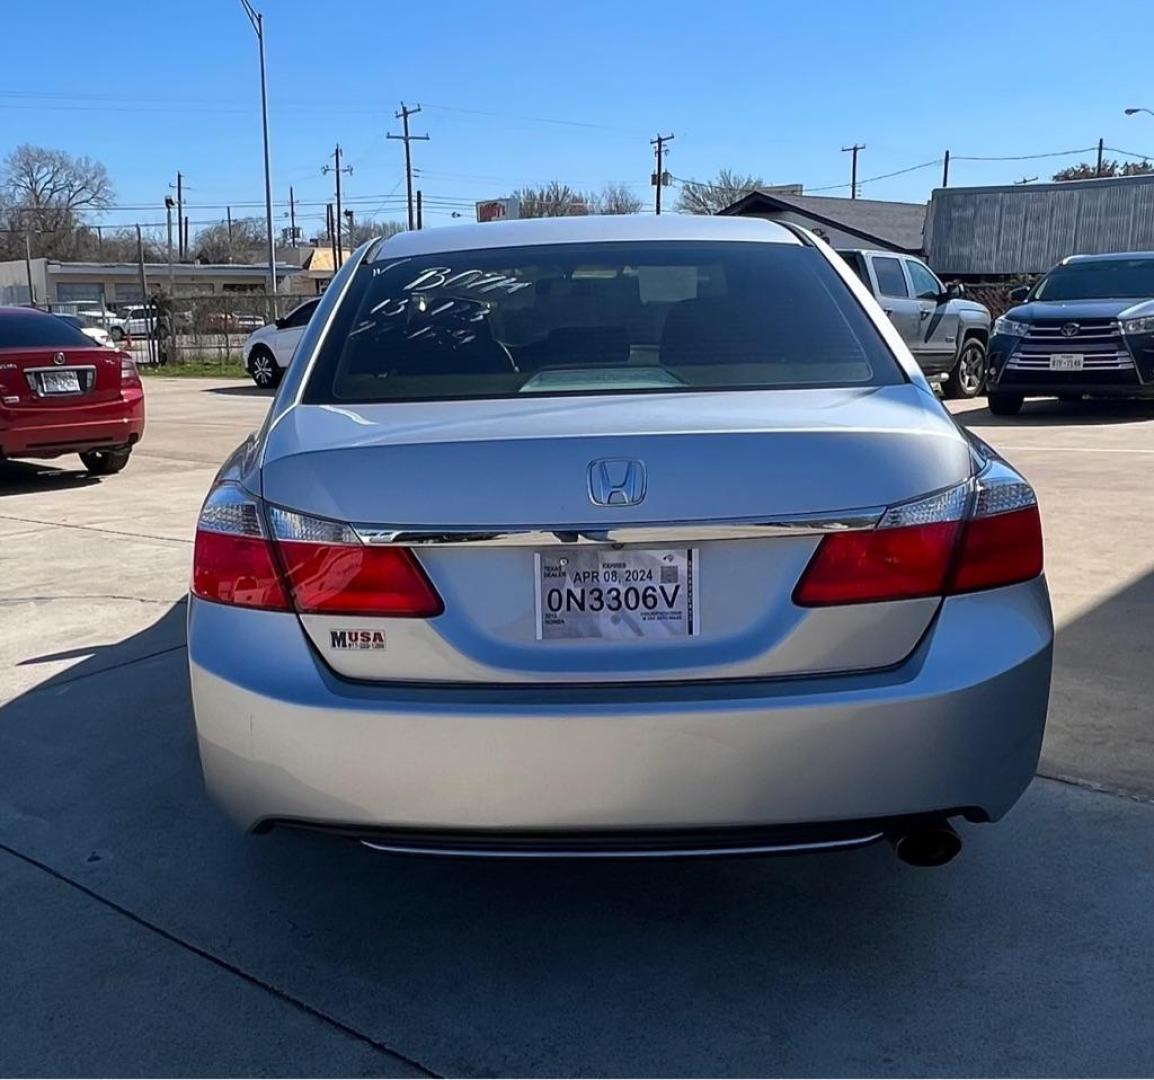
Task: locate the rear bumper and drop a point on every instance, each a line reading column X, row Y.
column 39, row 432
column 956, row 728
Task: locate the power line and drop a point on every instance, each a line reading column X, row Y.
column 1024, row 157
column 881, row 176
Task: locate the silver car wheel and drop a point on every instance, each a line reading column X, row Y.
column 261, row 366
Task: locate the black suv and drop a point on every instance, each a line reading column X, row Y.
column 1087, row 327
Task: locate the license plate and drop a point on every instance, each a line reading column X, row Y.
column 1066, row 361
column 60, row 382
column 618, row 594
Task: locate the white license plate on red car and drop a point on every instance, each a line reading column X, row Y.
column 1066, row 361
column 60, row 382
column 616, row 593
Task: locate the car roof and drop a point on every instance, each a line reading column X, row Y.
column 585, row 229
column 26, row 312
column 1110, row 256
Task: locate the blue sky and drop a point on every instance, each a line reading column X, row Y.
column 523, row 93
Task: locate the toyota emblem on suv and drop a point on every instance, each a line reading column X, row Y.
column 1070, row 329
column 616, row 481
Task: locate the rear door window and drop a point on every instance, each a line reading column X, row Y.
column 891, row 280
column 603, row 318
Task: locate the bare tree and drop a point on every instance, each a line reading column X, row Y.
column 48, row 192
column 702, row 197
column 617, row 198
column 214, row 244
column 553, row 199
column 1086, row 170
column 366, row 228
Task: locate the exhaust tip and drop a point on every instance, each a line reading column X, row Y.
column 931, row 845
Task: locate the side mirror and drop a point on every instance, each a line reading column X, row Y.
column 1019, row 293
column 279, row 324
column 955, row 290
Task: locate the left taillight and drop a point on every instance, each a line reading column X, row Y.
column 233, row 561
column 266, row 557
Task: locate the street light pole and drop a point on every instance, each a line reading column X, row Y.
column 1132, row 110
column 257, row 20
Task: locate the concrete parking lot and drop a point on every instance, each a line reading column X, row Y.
column 142, row 935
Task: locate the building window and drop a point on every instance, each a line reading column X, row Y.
column 91, row 292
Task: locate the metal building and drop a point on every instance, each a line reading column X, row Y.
column 1027, row 228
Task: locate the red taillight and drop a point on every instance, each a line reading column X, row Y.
column 980, row 535
column 879, row 564
column 1000, row 550
column 312, row 565
column 129, row 376
column 346, row 579
column 238, row 570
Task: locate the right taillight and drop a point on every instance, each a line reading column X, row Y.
column 253, row 556
column 129, row 376
column 982, row 534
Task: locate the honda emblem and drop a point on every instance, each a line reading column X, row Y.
column 616, row 481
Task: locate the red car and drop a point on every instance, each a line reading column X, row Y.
column 62, row 394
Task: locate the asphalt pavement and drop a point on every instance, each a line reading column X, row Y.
column 142, row 935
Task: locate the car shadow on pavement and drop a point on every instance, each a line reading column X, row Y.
column 1048, row 412
column 815, row 965
column 242, row 390
column 23, row 477
column 1099, row 730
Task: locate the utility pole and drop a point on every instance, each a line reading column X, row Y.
column 292, row 217
column 336, row 168
column 420, row 216
column 28, row 268
column 406, row 138
column 853, row 169
column 228, row 218
column 660, row 178
column 257, row 20
column 100, row 241
column 332, row 235
column 1101, row 147
column 144, row 291
column 179, row 215
column 946, row 170
column 168, row 215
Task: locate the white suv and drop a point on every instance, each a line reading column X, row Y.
column 267, row 351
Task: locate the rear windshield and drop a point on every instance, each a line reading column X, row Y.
column 34, row 329
column 597, row 319
column 1107, row 279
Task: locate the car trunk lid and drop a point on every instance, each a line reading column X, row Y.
column 514, row 484
column 47, row 377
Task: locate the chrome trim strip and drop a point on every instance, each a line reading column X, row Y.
column 649, row 533
column 640, row 853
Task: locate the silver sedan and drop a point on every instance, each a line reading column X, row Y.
column 615, row 536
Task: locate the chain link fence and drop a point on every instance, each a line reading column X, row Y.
column 206, row 332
